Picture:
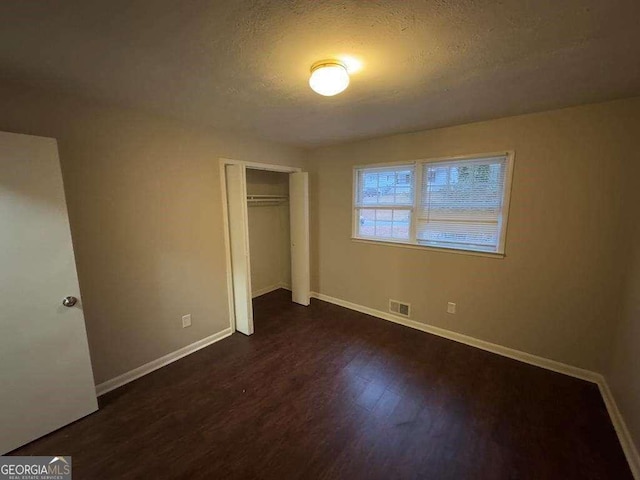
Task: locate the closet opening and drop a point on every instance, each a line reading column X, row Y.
column 269, row 231
column 266, row 234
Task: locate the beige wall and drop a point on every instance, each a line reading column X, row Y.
column 556, row 292
column 269, row 231
column 623, row 374
column 144, row 203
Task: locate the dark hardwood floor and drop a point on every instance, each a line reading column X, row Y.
column 324, row 392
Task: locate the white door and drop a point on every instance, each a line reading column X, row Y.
column 239, row 239
column 45, row 371
column 299, row 219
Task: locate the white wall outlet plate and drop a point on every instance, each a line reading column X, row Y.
column 451, row 307
column 186, row 321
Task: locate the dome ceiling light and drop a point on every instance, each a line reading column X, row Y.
column 329, row 77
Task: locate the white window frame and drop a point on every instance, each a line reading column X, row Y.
column 417, row 186
column 356, row 206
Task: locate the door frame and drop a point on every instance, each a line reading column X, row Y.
column 225, row 220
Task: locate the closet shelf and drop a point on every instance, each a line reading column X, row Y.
column 266, row 199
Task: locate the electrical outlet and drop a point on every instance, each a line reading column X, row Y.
column 451, row 307
column 186, row 321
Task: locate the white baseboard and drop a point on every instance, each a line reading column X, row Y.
column 136, row 373
column 616, row 417
column 272, row 288
column 633, row 457
column 474, row 342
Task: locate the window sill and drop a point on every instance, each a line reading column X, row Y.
column 425, row 247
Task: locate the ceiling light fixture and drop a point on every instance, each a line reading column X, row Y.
column 329, row 77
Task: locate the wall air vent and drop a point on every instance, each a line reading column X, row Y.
column 399, row 308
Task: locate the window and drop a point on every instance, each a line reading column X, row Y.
column 454, row 203
column 384, row 202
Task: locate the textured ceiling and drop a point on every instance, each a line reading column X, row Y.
column 244, row 65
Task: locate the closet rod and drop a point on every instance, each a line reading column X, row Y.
column 266, row 199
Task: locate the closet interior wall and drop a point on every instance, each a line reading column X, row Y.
column 269, row 235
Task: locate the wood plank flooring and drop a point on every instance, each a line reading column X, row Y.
column 327, row 393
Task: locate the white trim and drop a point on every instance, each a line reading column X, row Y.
column 626, row 441
column 467, row 340
column 506, row 202
column 261, row 166
column 227, row 246
column 269, row 289
column 299, row 238
column 417, row 193
column 136, row 373
column 453, row 158
column 395, row 243
column 240, row 251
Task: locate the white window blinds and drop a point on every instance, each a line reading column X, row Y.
column 453, row 203
column 462, row 204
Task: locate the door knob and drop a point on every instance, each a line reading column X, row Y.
column 69, row 301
